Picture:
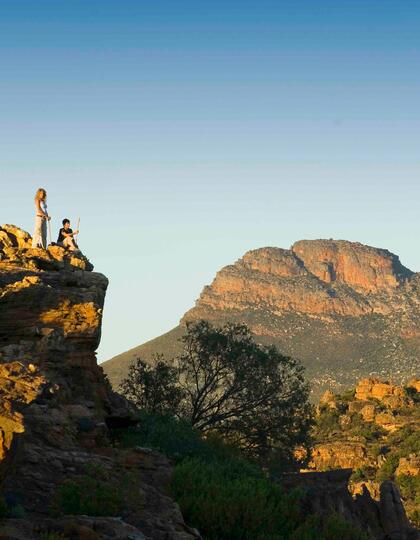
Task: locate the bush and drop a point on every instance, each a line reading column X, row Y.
column 328, row 422
column 177, row 439
column 327, row 528
column 387, row 470
column 230, row 500
column 52, row 536
column 226, row 501
column 412, row 393
column 94, row 494
column 3, row 508
column 347, row 396
column 409, row 487
column 407, row 439
column 414, row 517
column 88, row 496
column 363, row 473
column 368, row 430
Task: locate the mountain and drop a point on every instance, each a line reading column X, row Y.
column 346, row 310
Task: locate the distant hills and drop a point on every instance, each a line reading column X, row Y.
column 346, row 310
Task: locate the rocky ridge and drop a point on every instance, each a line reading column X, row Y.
column 56, row 407
column 374, row 431
column 346, row 310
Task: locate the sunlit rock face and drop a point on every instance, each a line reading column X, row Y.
column 55, row 403
column 346, row 310
column 50, row 326
column 314, row 277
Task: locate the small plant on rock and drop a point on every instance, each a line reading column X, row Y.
column 95, row 493
column 52, row 536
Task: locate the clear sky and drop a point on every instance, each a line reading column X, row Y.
column 184, row 133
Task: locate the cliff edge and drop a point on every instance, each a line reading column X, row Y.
column 56, row 405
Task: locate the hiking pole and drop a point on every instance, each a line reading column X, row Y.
column 49, row 229
column 77, row 229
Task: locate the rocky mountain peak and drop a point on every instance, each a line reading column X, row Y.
column 364, row 268
column 348, row 311
column 315, row 277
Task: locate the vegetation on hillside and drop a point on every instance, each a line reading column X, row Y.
column 389, row 435
column 226, row 384
column 225, row 495
column 228, row 411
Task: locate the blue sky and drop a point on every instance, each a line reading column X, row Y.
column 186, row 133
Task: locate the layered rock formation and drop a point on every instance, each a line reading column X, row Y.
column 328, row 493
column 345, row 309
column 56, row 405
column 374, row 431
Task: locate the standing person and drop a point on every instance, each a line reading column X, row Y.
column 39, row 239
column 66, row 237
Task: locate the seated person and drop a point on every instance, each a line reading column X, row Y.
column 66, row 237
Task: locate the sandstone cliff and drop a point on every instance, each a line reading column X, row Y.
column 56, row 405
column 345, row 309
column 373, row 430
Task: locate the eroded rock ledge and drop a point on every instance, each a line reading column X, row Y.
column 55, row 400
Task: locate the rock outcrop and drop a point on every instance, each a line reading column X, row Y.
column 382, row 391
column 56, row 404
column 339, row 455
column 373, row 431
column 347, row 310
column 327, row 492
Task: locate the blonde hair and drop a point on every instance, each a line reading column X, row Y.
column 40, row 194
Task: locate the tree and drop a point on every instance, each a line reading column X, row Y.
column 153, row 388
column 248, row 393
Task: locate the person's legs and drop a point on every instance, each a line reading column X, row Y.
column 69, row 243
column 44, row 234
column 37, row 238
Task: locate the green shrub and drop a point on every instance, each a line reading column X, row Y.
column 3, row 508
column 52, row 536
column 358, row 475
column 13, row 511
column 407, row 439
column 368, row 430
column 175, row 438
column 414, row 517
column 412, row 393
column 409, row 487
column 328, row 422
column 16, row 512
column 365, row 472
column 379, row 450
column 347, row 396
column 327, row 528
column 89, row 496
column 387, row 470
column 228, row 500
column 94, row 493
column 225, row 501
